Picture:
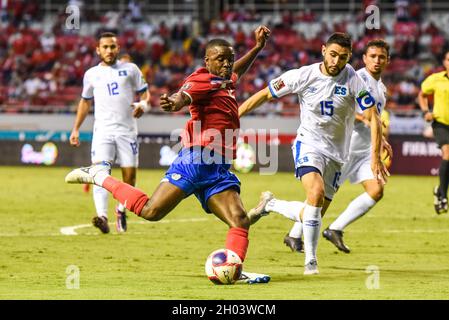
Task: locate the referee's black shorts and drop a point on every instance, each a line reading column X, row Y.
column 441, row 133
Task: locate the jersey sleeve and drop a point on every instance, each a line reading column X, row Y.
column 428, row 85
column 288, row 82
column 139, row 82
column 88, row 88
column 364, row 99
column 196, row 90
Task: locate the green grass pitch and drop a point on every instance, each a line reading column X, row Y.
column 402, row 238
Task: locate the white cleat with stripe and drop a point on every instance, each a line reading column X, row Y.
column 87, row 174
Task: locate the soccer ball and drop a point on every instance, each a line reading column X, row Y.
column 245, row 158
column 223, row 266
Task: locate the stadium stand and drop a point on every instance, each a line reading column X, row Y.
column 42, row 61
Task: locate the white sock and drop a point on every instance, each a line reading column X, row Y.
column 289, row 209
column 121, row 207
column 101, row 201
column 296, row 230
column 100, row 177
column 357, row 208
column 311, row 230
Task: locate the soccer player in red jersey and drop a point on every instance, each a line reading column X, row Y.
column 209, row 144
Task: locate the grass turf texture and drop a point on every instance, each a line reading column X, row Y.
column 401, row 236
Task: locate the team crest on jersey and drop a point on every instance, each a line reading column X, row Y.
column 225, row 84
column 312, row 89
column 216, row 81
column 278, row 85
column 219, row 83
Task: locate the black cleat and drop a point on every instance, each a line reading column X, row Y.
column 439, row 203
column 336, row 237
column 101, row 223
column 444, row 206
column 295, row 244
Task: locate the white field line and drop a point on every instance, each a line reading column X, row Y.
column 71, row 231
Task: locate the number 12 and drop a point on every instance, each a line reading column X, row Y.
column 112, row 88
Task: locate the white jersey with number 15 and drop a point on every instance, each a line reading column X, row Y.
column 327, row 106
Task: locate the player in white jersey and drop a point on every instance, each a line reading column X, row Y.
column 329, row 93
column 112, row 85
column 358, row 168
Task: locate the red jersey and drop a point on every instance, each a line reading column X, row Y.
column 214, row 112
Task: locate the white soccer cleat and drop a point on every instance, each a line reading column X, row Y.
column 311, row 267
column 252, row 278
column 87, row 174
column 259, row 211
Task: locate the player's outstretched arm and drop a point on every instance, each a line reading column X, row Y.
column 262, row 33
column 379, row 170
column 175, row 102
column 81, row 113
column 255, row 101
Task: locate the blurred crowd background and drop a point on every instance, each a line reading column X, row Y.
column 43, row 59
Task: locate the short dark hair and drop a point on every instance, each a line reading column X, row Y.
column 106, row 35
column 378, row 43
column 217, row 43
column 340, row 38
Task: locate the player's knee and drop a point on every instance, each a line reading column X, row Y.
column 239, row 220
column 379, row 195
column 315, row 196
column 376, row 193
column 151, row 212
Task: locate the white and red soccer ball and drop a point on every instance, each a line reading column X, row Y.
column 223, row 266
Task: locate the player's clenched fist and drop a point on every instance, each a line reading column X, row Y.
column 166, row 103
column 169, row 103
column 262, row 34
column 74, row 139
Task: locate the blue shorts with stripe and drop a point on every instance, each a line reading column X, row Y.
column 194, row 172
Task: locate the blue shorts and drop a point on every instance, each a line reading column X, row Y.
column 191, row 174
